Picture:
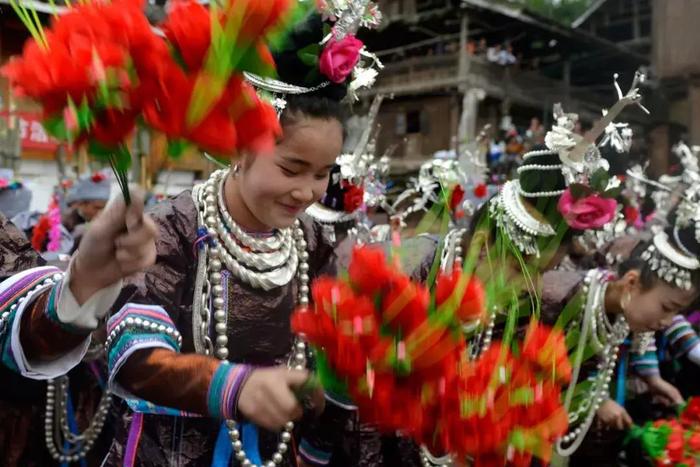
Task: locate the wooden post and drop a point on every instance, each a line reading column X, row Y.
column 659, row 146
column 463, row 68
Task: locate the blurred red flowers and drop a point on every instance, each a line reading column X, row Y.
column 404, row 362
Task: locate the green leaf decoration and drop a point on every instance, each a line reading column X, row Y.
column 56, row 127
column 309, row 55
column 599, row 180
column 99, row 151
column 122, row 157
column 579, row 191
column 613, row 193
column 250, row 61
column 85, row 116
column 176, row 148
column 327, row 376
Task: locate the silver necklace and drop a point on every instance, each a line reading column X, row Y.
column 265, row 254
column 607, row 338
column 57, row 433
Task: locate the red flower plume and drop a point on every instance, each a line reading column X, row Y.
column 631, row 214
column 405, row 304
column 188, row 28
column 368, row 270
column 472, row 305
column 546, row 349
column 98, row 177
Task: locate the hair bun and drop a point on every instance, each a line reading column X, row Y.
column 687, row 236
column 293, row 70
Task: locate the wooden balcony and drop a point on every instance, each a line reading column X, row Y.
column 428, row 74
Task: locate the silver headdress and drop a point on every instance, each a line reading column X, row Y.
column 445, row 170
column 579, row 158
column 670, row 262
column 691, row 169
column 348, row 16
column 426, row 189
column 579, row 155
column 668, row 256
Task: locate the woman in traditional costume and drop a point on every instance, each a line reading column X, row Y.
column 202, row 350
column 601, row 308
column 46, row 318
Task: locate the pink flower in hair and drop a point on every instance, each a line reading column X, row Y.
column 591, row 212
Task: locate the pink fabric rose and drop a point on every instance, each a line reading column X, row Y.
column 340, row 57
column 591, row 212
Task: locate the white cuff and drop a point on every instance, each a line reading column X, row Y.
column 89, row 315
column 694, row 354
column 42, row 369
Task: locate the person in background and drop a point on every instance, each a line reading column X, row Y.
column 14, row 196
column 47, row 317
column 85, row 199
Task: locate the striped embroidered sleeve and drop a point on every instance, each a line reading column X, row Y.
column 34, row 343
column 137, row 327
column 647, row 363
column 681, row 337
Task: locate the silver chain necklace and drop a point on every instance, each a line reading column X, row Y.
column 269, row 263
column 57, row 433
column 606, row 338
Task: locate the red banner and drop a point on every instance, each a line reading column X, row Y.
column 32, row 133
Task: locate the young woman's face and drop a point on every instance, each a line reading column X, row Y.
column 277, row 188
column 654, row 308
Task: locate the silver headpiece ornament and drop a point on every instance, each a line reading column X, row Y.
column 511, row 215
column 348, row 16
column 670, row 263
column 579, row 155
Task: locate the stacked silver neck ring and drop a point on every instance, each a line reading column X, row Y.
column 264, row 263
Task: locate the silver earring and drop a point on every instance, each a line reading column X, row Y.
column 235, row 170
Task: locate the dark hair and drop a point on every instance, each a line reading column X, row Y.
column 293, row 70
column 647, row 277
column 334, row 197
column 534, row 181
column 619, row 162
column 324, row 101
column 311, row 105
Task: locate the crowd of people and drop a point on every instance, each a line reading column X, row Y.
column 163, row 336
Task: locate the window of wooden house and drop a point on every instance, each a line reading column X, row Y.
column 413, row 122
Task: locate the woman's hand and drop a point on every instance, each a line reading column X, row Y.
column 613, row 415
column 267, row 398
column 119, row 242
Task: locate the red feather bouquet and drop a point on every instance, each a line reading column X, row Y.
column 672, row 442
column 100, row 69
column 397, row 350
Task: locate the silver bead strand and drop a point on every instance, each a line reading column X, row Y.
column 287, row 249
column 57, row 431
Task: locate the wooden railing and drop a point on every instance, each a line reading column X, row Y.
column 418, row 75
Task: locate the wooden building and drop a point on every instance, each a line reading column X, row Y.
column 666, row 32
column 434, row 68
